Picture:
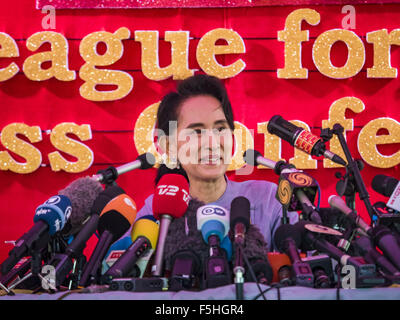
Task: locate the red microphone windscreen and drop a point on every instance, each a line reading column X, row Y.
column 171, row 196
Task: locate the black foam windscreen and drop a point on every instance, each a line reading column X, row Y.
column 147, row 160
column 384, row 185
column 105, row 197
column 262, row 270
column 250, row 157
column 114, row 222
column 240, row 212
column 284, row 232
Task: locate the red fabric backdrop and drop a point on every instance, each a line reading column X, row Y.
column 256, row 93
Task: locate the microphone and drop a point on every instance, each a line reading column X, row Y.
column 240, row 219
column 82, row 192
column 364, row 245
column 144, row 237
column 381, row 235
column 81, row 225
column 288, row 239
column 213, row 222
column 143, row 161
column 240, row 222
column 116, row 250
column 301, row 139
column 49, row 218
column 226, row 244
column 115, row 219
column 338, row 203
column 262, row 270
column 185, row 271
column 170, row 200
column 389, row 187
column 288, row 172
column 152, row 236
column 365, row 272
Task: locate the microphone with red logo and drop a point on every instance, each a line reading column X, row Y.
column 301, row 139
column 171, row 200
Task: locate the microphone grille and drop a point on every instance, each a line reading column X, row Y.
column 384, row 185
column 285, row 231
column 250, row 156
column 240, row 211
column 171, row 196
column 147, row 160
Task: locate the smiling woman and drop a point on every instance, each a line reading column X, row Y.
column 198, row 125
column 195, row 136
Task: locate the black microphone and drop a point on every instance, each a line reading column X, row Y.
column 262, row 271
column 240, row 222
column 301, row 139
column 240, row 219
column 186, row 271
column 387, row 243
column 384, row 185
column 364, row 245
column 365, row 272
column 288, row 240
column 381, row 234
column 115, row 219
column 389, row 187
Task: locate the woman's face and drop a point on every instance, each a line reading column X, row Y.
column 204, row 138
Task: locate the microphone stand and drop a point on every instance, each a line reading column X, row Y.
column 352, row 167
column 238, row 270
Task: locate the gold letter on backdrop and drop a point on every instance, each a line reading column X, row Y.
column 337, row 113
column 207, row 50
column 368, row 140
column 382, row 42
column 322, row 53
column 93, row 76
column 293, row 36
column 179, row 67
column 143, row 132
column 243, row 141
column 72, row 147
column 272, row 144
column 10, row 141
column 8, row 49
column 58, row 56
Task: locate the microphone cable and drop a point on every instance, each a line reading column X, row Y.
column 277, row 286
column 319, row 195
column 252, row 272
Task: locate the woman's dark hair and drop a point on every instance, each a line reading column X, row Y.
column 168, row 110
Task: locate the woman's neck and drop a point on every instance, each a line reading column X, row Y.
column 207, row 191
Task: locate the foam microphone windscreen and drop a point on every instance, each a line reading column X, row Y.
column 240, row 211
column 284, row 232
column 384, row 185
column 146, row 226
column 171, row 196
column 117, row 216
column 82, row 194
